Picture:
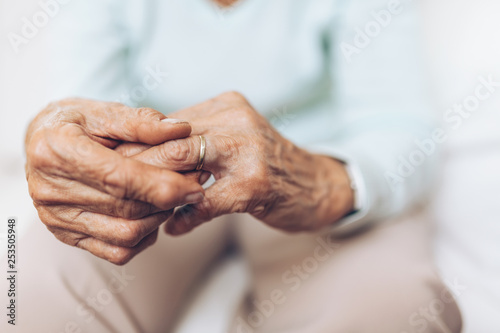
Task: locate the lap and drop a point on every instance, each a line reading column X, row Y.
column 65, row 289
column 382, row 280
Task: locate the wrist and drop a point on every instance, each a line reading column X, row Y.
column 336, row 196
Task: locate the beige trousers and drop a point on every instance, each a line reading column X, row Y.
column 379, row 281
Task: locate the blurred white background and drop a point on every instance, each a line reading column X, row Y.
column 21, row 96
column 462, row 42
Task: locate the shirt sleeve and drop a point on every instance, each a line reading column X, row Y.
column 386, row 123
column 89, row 50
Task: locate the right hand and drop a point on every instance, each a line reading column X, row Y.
column 89, row 195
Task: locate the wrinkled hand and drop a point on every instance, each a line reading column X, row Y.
column 91, row 196
column 257, row 171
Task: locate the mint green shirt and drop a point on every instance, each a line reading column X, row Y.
column 341, row 78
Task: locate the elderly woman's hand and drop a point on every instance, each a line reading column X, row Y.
column 91, row 196
column 257, row 171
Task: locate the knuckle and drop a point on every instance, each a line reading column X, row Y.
column 246, row 115
column 148, row 113
column 64, row 111
column 38, row 151
column 117, row 181
column 129, row 234
column 41, row 193
column 138, row 119
column 130, row 209
column 167, row 194
column 120, row 256
column 228, row 147
column 177, row 151
column 240, row 206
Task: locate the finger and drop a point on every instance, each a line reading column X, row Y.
column 182, row 154
column 55, row 192
column 112, row 230
column 129, row 149
column 179, row 155
column 200, row 176
column 86, row 161
column 115, row 254
column 204, row 177
column 221, row 198
column 119, row 122
column 133, row 149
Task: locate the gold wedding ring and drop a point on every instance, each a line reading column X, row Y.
column 201, row 159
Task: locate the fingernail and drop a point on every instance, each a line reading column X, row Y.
column 174, row 121
column 194, row 198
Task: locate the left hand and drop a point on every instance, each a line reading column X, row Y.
column 257, row 171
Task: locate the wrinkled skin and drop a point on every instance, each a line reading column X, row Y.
column 257, row 171
column 89, row 195
column 103, row 176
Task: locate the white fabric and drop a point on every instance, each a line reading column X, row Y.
column 463, row 46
